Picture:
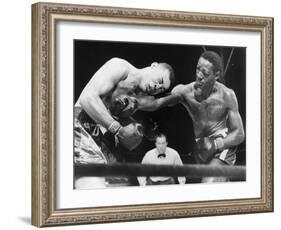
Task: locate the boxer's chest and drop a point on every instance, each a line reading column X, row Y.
column 211, row 109
column 125, row 89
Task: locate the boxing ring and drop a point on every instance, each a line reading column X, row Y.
column 133, row 169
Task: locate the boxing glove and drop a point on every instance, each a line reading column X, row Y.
column 130, row 136
column 123, row 106
column 206, row 147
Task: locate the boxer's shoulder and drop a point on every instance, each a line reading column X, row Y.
column 189, row 92
column 181, row 89
column 224, row 89
column 185, row 91
column 228, row 93
column 229, row 96
column 190, row 87
column 116, row 60
column 118, row 63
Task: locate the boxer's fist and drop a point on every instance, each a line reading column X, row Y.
column 205, row 148
column 130, row 136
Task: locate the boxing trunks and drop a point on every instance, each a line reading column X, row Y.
column 86, row 150
column 90, row 146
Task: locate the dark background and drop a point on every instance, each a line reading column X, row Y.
column 174, row 121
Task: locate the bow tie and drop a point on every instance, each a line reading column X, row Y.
column 161, row 155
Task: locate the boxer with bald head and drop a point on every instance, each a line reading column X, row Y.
column 214, row 111
column 114, row 93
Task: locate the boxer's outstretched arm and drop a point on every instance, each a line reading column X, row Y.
column 150, row 103
column 236, row 131
column 101, row 84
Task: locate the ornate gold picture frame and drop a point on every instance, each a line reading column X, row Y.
column 45, row 88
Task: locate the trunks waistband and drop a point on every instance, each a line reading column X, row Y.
column 219, row 133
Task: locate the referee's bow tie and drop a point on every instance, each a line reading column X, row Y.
column 161, row 155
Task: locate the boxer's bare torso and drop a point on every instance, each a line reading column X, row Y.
column 209, row 115
column 118, row 77
column 132, row 92
column 124, row 87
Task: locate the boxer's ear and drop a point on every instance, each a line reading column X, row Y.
column 154, row 64
column 217, row 75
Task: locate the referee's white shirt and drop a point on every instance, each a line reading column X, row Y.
column 151, row 157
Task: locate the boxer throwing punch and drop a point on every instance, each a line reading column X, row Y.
column 109, row 99
column 214, row 111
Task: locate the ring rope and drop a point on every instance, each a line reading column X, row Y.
column 133, row 169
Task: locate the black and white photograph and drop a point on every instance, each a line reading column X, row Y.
column 158, row 114
column 142, row 114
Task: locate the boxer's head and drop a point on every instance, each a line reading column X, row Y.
column 157, row 78
column 208, row 70
column 161, row 143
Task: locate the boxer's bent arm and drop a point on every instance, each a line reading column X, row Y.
column 96, row 109
column 235, row 125
column 150, row 103
column 101, row 84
